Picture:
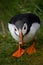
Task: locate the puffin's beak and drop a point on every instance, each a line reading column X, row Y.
column 21, row 36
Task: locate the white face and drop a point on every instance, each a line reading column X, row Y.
column 15, row 32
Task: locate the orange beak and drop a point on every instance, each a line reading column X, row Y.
column 21, row 37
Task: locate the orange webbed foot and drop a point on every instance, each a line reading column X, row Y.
column 19, row 52
column 31, row 50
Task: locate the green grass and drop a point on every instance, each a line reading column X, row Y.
column 8, row 46
column 9, row 8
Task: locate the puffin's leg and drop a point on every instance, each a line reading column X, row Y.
column 31, row 49
column 19, row 52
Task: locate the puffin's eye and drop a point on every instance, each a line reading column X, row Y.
column 15, row 29
column 24, row 29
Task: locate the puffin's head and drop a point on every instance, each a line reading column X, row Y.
column 25, row 25
column 18, row 27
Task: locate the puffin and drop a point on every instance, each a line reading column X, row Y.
column 23, row 28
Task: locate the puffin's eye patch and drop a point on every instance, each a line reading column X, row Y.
column 16, row 30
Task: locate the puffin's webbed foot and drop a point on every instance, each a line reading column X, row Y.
column 19, row 52
column 31, row 49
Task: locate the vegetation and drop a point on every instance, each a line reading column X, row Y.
column 8, row 45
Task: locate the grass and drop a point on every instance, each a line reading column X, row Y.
column 8, row 46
